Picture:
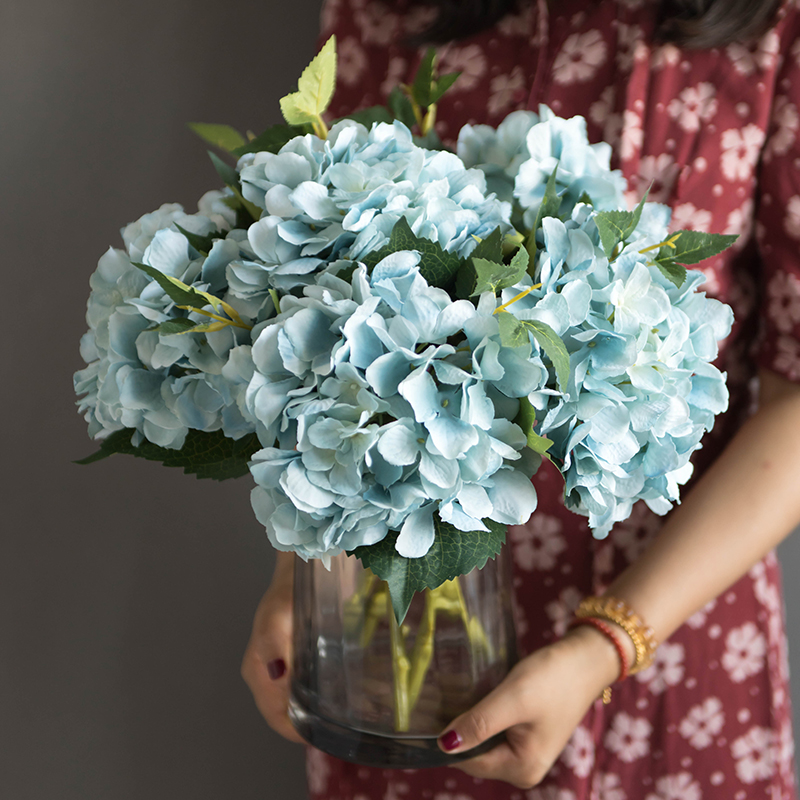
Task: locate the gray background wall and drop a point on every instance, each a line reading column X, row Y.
column 126, row 590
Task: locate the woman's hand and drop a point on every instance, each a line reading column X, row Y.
column 266, row 661
column 538, row 705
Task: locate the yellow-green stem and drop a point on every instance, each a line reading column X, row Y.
column 400, row 670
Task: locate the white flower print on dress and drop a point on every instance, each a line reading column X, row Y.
column 578, row 755
column 450, row 796
column 745, row 651
column 747, row 60
column 740, row 223
column 695, row 104
column 538, row 542
column 505, row 91
column 791, row 222
column 784, row 301
column 469, row 60
column 667, row 668
column 712, row 285
column 418, row 19
column 786, row 122
column 518, row 24
column 394, row 75
column 698, row 619
column 397, row 791
column 703, row 723
column 378, row 25
column 632, row 135
column 668, row 55
column 783, row 749
column 787, row 359
column 318, row 771
column 579, row 58
column 677, row 787
column 659, row 173
column 755, row 755
column 352, row 61
column 549, row 793
column 561, row 610
column 607, row 786
column 628, row 40
column 601, row 112
column 633, row 535
column 629, row 737
column 687, row 216
column 740, row 151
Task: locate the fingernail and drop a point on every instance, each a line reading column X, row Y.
column 450, row 740
column 276, row 668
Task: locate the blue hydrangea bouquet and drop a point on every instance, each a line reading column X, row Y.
column 389, row 337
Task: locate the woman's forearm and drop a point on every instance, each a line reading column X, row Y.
column 744, row 505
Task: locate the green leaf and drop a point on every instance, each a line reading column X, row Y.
column 223, row 136
column 205, row 455
column 229, row 175
column 369, row 116
column 270, row 141
column 672, row 271
column 452, row 554
column 692, row 247
column 442, row 84
column 431, row 141
column 436, row 265
column 490, row 248
column 401, row 108
column 618, row 226
column 549, row 207
column 492, row 277
column 514, row 333
column 202, row 244
column 526, row 419
column 423, row 80
column 315, row 88
column 177, row 325
column 177, row 291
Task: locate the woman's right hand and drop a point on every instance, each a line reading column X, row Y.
column 265, row 666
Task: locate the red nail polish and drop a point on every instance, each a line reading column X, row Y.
column 276, row 668
column 450, row 740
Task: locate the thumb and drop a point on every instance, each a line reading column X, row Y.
column 498, row 711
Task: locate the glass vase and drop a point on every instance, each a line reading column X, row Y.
column 369, row 691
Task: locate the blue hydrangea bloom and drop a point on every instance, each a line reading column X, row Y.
column 642, row 391
column 339, row 198
column 372, row 419
column 163, row 385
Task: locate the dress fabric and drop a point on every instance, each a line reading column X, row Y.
column 716, row 133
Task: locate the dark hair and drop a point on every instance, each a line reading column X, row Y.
column 688, row 23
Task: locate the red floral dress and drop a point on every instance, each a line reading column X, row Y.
column 717, row 131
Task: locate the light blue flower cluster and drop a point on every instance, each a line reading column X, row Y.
column 160, row 384
column 381, row 401
column 642, row 390
column 341, row 197
column 521, row 154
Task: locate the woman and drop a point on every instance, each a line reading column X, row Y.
column 702, row 99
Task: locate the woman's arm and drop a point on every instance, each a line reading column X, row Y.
column 742, row 507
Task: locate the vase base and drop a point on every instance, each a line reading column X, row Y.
column 375, row 750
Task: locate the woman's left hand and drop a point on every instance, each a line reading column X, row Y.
column 538, row 705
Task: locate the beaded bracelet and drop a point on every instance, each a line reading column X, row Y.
column 605, row 629
column 618, row 612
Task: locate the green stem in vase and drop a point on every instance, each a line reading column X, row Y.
column 400, row 670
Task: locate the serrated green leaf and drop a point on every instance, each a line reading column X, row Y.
column 201, row 243
column 369, row 116
column 526, row 419
column 229, row 175
column 442, row 84
column 490, row 248
column 512, row 331
column 436, row 265
column 617, row 227
column 692, row 247
column 271, row 140
column 178, row 325
column 493, row 277
column 453, row 553
column 549, row 207
column 205, row 455
column 223, row 136
column 423, row 80
column 554, row 348
column 672, row 271
column 401, row 108
column 180, row 293
column 315, row 88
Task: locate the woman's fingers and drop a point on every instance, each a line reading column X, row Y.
column 265, row 666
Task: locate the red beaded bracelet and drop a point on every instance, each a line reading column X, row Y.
column 605, row 629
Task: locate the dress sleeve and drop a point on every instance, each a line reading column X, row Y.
column 778, row 222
